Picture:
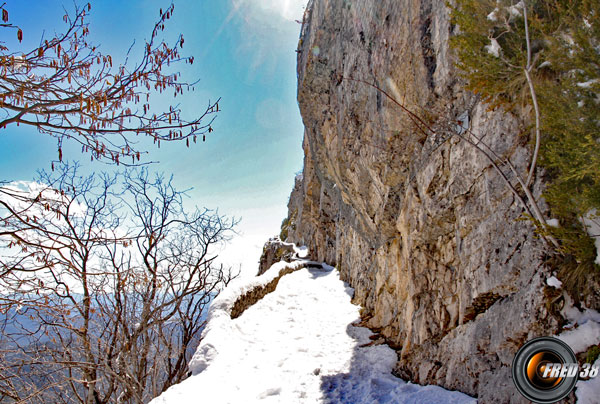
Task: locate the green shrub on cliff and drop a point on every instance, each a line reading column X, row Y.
column 564, row 67
column 283, row 235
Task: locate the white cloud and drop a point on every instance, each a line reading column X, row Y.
column 268, row 29
column 288, row 10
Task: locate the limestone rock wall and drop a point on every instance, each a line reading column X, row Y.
column 419, row 223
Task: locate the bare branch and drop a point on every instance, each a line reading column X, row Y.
column 534, row 101
column 66, row 88
column 105, row 292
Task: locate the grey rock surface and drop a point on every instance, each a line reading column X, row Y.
column 416, row 219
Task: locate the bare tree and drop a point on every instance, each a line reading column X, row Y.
column 104, row 282
column 66, row 88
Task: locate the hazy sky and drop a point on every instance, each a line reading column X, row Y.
column 244, row 53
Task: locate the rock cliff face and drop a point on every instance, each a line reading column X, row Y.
column 417, row 221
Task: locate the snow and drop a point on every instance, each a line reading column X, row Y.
column 591, row 221
column 514, row 10
column 584, row 332
column 299, row 344
column 545, row 63
column 576, row 316
column 493, row 16
column 582, row 337
column 587, row 84
column 553, row 222
column 220, row 328
column 301, row 252
column 493, row 48
column 554, row 282
column 587, row 392
column 462, row 123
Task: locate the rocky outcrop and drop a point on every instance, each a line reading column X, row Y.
column 257, row 292
column 274, row 251
column 286, row 256
column 417, row 220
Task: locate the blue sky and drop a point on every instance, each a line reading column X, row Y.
column 244, row 52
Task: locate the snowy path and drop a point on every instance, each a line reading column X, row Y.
column 297, row 345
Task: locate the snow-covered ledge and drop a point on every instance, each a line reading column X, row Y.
column 300, row 344
column 218, row 327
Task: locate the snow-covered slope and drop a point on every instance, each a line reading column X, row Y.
column 297, row 345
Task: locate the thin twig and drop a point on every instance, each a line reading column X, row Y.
column 536, row 109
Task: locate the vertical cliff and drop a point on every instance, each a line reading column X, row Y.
column 418, row 221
